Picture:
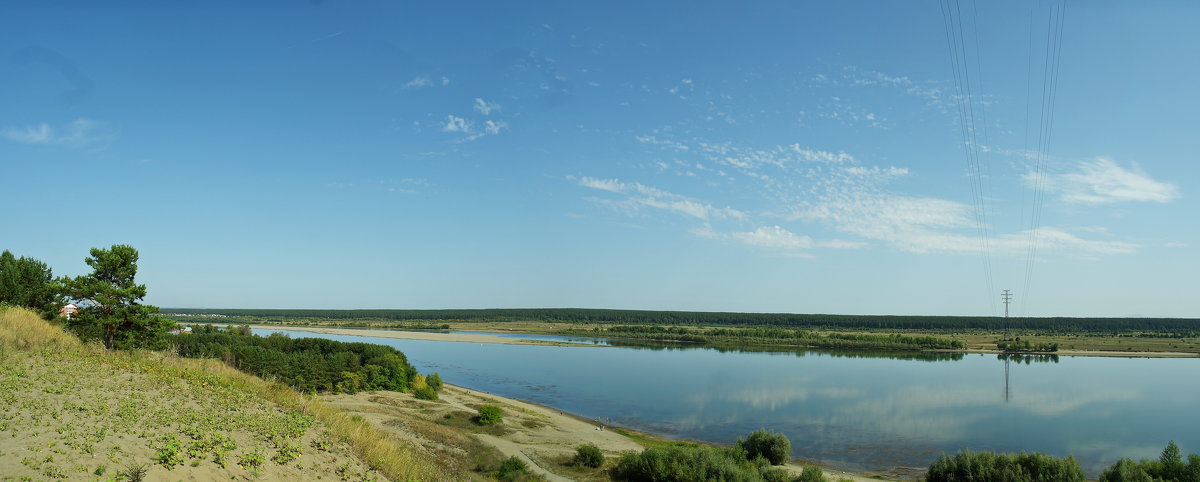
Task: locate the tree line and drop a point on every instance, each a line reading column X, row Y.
column 1188, row 327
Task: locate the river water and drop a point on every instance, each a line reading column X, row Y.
column 869, row 412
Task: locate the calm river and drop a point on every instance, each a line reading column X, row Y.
column 861, row 412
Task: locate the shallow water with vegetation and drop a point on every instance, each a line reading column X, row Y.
column 859, row 410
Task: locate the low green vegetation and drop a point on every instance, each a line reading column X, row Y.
column 677, row 463
column 750, row 460
column 489, row 415
column 514, row 469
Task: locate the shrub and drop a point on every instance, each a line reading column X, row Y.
column 1026, row 467
column 434, row 381
column 512, row 468
column 773, row 446
column 489, row 415
column 588, row 455
column 680, row 463
column 1125, row 470
column 426, row 393
column 811, row 473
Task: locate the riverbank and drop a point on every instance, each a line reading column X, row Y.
column 542, row 437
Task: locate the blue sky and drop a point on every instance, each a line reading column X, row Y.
column 799, row 156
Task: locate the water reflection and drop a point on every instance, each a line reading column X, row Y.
column 871, row 411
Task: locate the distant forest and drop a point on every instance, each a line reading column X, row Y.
column 1188, row 327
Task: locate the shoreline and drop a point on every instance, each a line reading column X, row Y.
column 540, row 435
column 495, row 339
column 795, row 464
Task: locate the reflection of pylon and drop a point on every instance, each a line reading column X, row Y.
column 1006, row 392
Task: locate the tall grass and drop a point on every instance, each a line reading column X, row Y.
column 22, row 329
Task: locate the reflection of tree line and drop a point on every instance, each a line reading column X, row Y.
column 894, row 355
column 770, row 336
column 1027, row 358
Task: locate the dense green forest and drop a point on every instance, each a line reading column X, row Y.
column 306, row 364
column 1183, row 327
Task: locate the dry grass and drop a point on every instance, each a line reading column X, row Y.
column 25, row 330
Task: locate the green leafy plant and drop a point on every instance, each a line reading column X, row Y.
column 252, row 460
column 169, row 452
column 288, row 452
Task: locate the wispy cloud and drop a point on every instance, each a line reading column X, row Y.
column 484, row 107
column 77, row 133
column 833, row 189
column 1104, row 181
column 456, row 124
column 421, row 81
column 637, row 197
column 776, row 237
column 494, row 127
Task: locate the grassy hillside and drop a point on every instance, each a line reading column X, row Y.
column 69, row 410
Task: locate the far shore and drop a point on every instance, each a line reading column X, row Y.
column 422, row 335
column 481, row 338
